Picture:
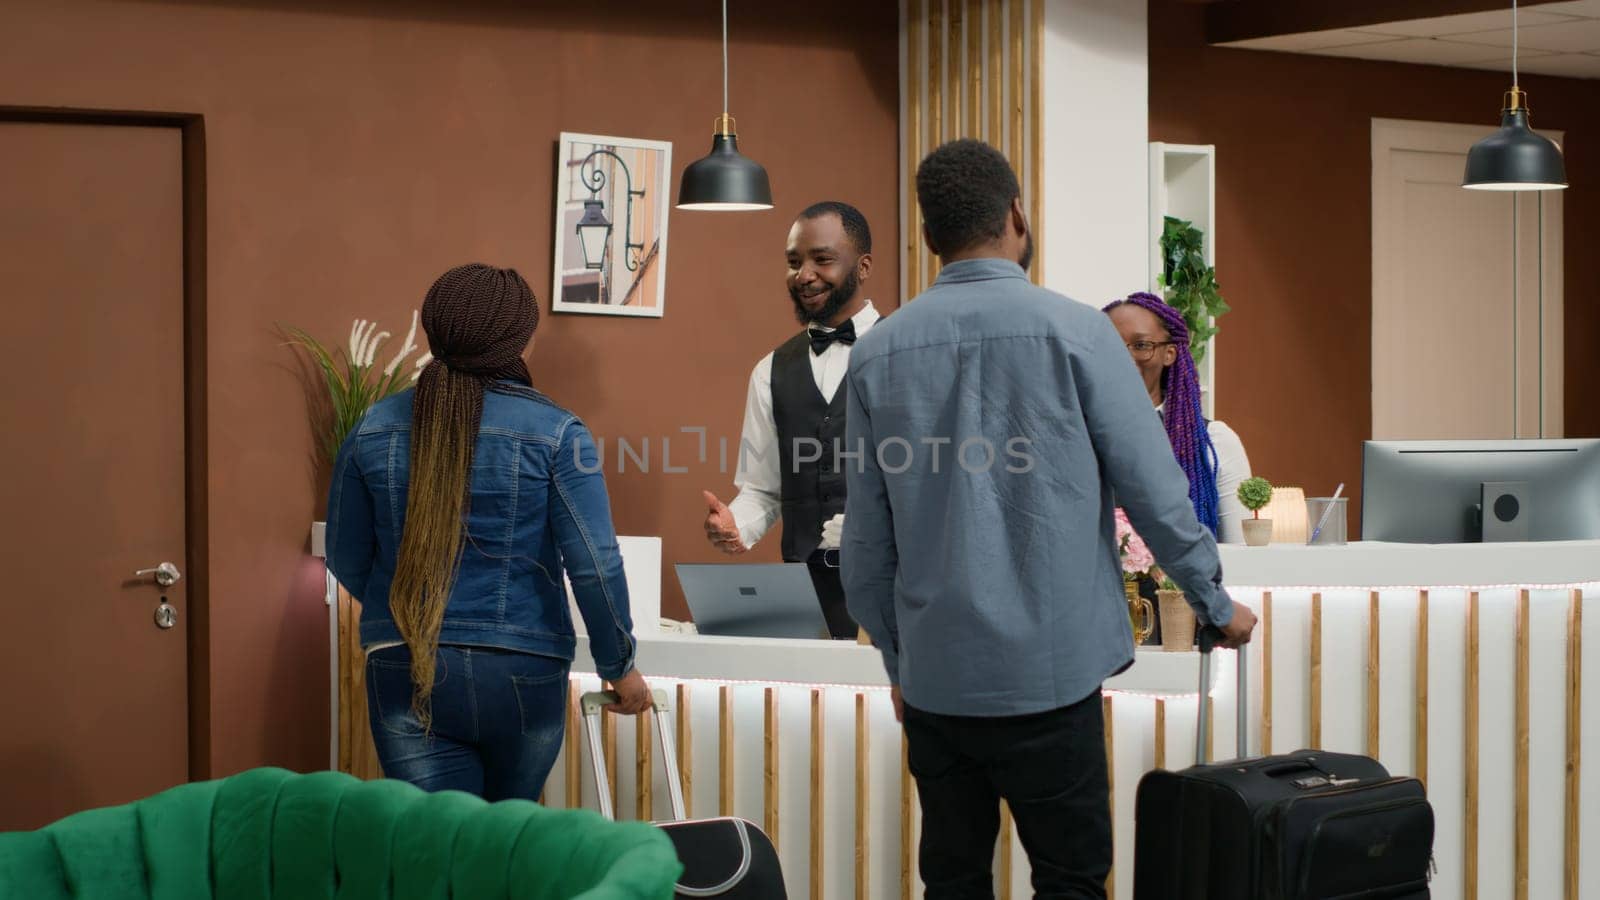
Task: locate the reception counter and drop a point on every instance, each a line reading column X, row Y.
column 1460, row 664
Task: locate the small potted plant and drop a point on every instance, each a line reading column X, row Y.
column 1137, row 561
column 1255, row 493
column 1177, row 618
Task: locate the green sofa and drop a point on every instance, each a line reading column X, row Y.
column 268, row 834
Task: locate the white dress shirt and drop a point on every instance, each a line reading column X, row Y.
column 1233, row 467
column 759, row 504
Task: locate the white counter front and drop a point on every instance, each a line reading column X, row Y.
column 1435, row 659
column 1460, row 664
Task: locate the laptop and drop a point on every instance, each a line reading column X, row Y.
column 766, row 600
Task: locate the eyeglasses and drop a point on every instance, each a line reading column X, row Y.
column 1144, row 350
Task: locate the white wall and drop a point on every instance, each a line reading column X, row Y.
column 1096, row 113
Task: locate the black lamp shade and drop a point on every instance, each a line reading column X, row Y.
column 1515, row 158
column 724, row 180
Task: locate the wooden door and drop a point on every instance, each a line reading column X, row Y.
column 93, row 456
column 1466, row 294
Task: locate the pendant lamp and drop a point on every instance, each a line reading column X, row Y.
column 1515, row 158
column 725, row 180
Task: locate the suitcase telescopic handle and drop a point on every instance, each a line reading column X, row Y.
column 591, row 705
column 1210, row 636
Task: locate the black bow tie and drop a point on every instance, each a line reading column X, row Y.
column 844, row 334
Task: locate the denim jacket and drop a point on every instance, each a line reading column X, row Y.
column 538, row 503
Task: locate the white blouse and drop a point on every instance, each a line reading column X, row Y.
column 1233, row 467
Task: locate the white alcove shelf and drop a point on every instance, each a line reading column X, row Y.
column 1183, row 179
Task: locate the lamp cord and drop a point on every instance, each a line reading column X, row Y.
column 1514, row 41
column 725, row 56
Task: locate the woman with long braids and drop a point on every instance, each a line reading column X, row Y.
column 453, row 512
column 1210, row 453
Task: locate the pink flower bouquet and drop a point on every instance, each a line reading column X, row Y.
column 1136, row 557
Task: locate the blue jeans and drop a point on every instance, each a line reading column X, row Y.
column 498, row 720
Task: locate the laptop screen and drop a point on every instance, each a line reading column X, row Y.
column 770, row 600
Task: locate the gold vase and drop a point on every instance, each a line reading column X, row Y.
column 1141, row 614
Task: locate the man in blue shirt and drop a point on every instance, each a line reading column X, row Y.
column 989, row 424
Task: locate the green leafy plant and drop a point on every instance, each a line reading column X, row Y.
column 1188, row 284
column 353, row 380
column 1164, row 581
column 1255, row 493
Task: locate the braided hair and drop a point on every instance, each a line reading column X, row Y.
column 1185, row 422
column 479, row 320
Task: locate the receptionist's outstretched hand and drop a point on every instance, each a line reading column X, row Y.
column 721, row 530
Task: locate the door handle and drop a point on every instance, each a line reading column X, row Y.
column 166, row 574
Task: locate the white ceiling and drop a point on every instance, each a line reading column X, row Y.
column 1554, row 39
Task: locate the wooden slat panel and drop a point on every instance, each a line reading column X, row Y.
column 1266, row 673
column 1005, row 851
column 1574, row 741
column 1520, row 851
column 1211, row 732
column 908, row 844
column 936, row 126
column 685, row 751
column 863, row 806
column 818, row 782
column 935, row 108
column 1469, row 827
column 1036, row 141
column 725, row 752
column 1016, row 109
column 349, row 673
column 1422, row 688
column 574, row 750
column 357, row 753
column 995, row 130
column 1161, row 733
column 769, row 773
column 1111, row 778
column 915, row 34
column 974, row 75
column 1316, row 672
column 1372, row 674
column 608, row 740
column 954, row 32
column 643, row 768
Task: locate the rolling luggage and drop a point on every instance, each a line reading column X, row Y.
column 723, row 857
column 1308, row 825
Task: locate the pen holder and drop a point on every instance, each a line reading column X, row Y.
column 1333, row 530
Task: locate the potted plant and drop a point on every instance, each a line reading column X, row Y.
column 1137, row 561
column 353, row 383
column 1176, row 616
column 1188, row 284
column 1255, row 493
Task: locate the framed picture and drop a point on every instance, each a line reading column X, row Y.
column 611, row 225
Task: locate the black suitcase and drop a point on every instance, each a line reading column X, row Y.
column 722, row 857
column 1307, row 825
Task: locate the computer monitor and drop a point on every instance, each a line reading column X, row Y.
column 1444, row 492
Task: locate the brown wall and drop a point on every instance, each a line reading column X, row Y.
column 1294, row 227
column 357, row 148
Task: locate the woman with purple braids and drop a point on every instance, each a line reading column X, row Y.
column 1210, row 453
